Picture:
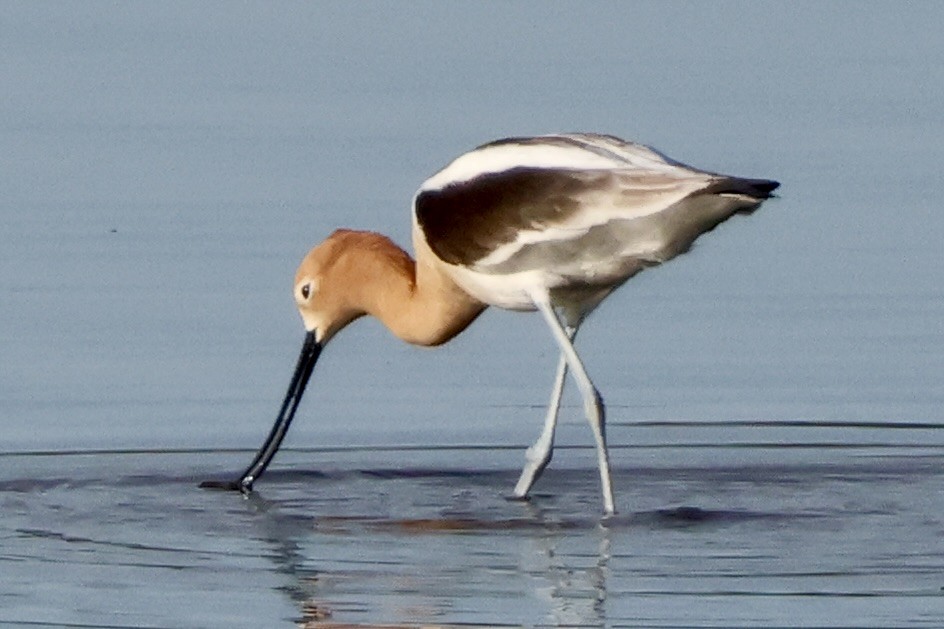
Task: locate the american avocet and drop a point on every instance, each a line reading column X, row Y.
column 552, row 223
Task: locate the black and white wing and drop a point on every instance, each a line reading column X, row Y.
column 587, row 207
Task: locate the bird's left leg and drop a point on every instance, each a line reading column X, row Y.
column 539, row 454
column 593, row 403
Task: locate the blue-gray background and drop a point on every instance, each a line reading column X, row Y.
column 164, row 166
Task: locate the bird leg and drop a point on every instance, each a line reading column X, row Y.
column 593, row 403
column 539, row 454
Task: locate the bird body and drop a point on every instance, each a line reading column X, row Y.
column 550, row 223
column 577, row 214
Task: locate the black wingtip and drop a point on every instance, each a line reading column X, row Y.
column 765, row 186
column 758, row 188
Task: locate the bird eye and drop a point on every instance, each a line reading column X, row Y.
column 306, row 291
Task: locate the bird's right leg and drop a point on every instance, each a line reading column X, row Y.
column 539, row 454
column 593, row 403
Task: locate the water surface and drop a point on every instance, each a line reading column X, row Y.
column 810, row 536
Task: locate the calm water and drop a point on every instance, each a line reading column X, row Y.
column 797, row 536
column 774, row 396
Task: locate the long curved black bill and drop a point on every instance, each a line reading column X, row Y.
column 306, row 364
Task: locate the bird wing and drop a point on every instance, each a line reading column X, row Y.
column 581, row 205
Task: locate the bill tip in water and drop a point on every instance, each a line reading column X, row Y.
column 225, row 485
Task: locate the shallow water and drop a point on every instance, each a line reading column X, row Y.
column 774, row 396
column 766, row 535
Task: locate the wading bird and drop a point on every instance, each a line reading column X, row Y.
column 552, row 223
